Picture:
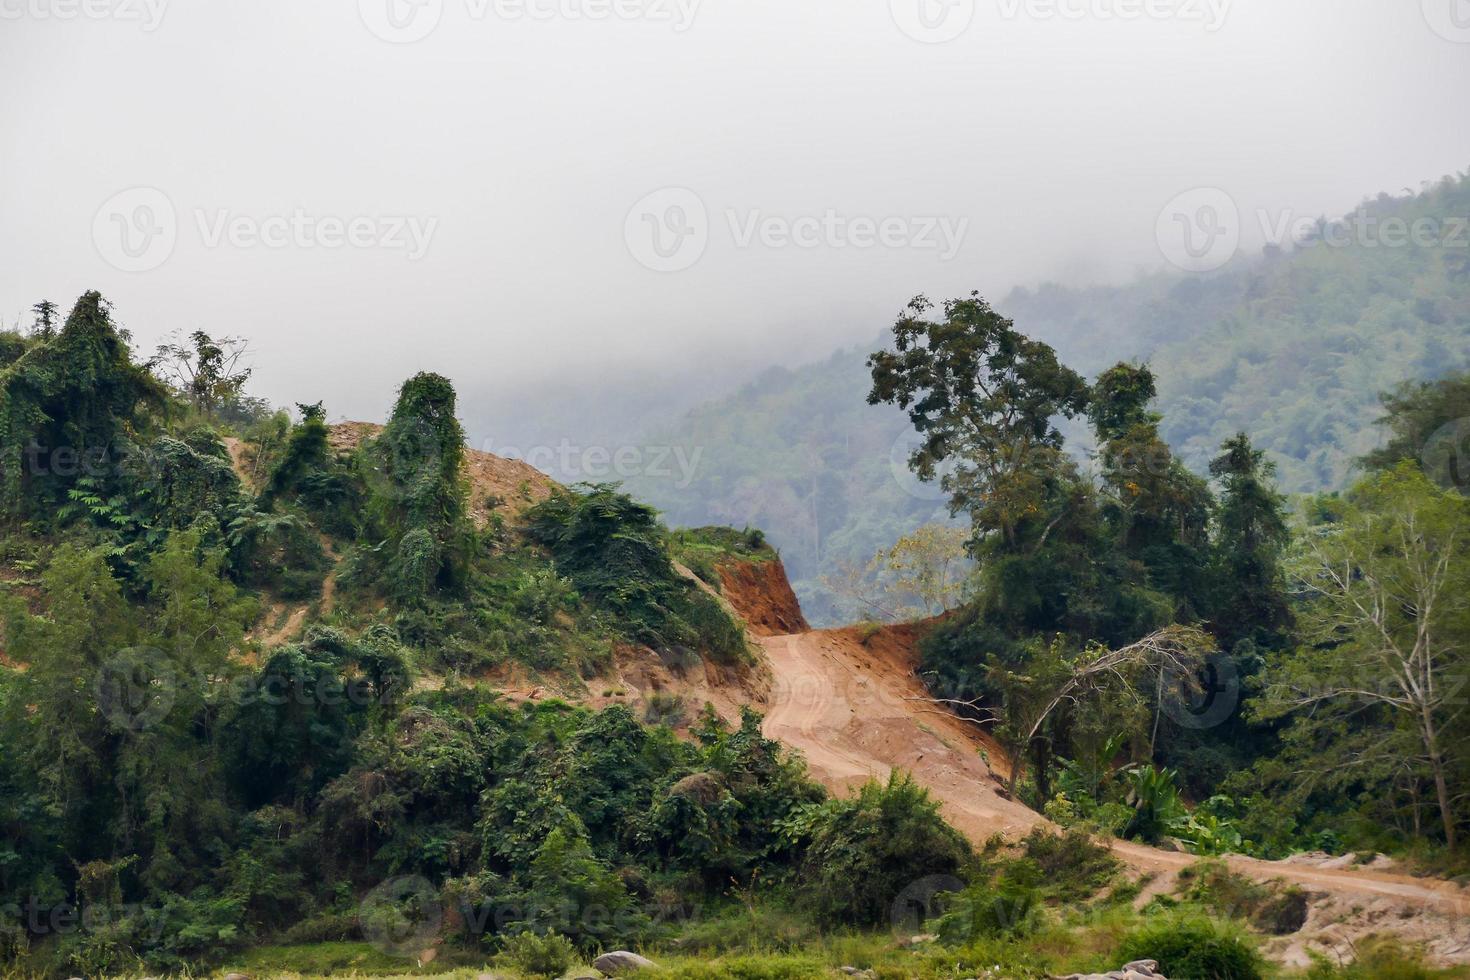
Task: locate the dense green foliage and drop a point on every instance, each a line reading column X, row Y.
column 1348, row 691
column 1065, row 560
column 865, row 849
column 617, row 553
column 68, row 401
column 1373, row 689
column 184, row 777
column 342, row 783
column 1189, row 945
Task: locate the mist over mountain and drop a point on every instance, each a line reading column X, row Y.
column 1294, row 345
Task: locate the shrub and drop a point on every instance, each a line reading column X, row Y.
column 1195, row 947
column 664, row 709
column 541, row 956
column 1005, row 907
column 1269, row 907
column 866, row 849
column 1073, row 866
column 616, row 554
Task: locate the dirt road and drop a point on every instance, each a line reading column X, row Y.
column 848, row 700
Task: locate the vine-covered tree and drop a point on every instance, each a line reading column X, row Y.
column 67, row 405
column 44, row 326
column 419, row 498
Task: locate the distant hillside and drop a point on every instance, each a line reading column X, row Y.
column 1292, row 347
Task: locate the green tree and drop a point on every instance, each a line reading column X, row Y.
column 1428, row 422
column 207, row 370
column 1384, row 623
column 45, row 323
column 418, row 495
column 1250, row 538
column 1120, row 400
column 1158, row 512
column 67, row 406
column 983, row 398
column 306, row 453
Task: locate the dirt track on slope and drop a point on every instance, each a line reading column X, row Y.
column 844, row 698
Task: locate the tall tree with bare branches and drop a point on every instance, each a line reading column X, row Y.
column 207, row 370
column 1385, row 621
column 1053, row 679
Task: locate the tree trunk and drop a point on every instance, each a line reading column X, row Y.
column 1041, row 764
column 1441, row 787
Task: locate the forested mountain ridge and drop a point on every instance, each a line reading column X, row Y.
column 1294, row 346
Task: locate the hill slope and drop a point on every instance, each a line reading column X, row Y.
column 851, row 702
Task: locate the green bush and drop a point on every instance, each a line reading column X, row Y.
column 1271, row 907
column 541, row 956
column 617, row 554
column 664, row 709
column 1194, row 947
column 866, row 849
column 1003, row 908
column 1073, row 866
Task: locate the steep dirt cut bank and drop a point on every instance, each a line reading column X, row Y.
column 760, row 594
column 849, row 700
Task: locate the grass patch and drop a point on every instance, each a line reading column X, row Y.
column 332, row 959
column 1271, row 907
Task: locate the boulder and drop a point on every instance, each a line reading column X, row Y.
column 919, row 940
column 1137, row 970
column 620, row 961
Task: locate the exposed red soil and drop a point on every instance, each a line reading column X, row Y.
column 761, row 595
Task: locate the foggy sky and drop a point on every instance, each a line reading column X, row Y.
column 517, row 145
